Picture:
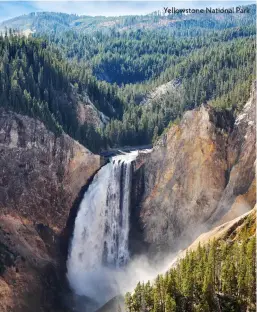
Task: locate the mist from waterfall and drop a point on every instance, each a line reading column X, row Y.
column 99, row 248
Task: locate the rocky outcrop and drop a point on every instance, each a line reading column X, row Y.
column 41, row 176
column 88, row 113
column 240, row 193
column 29, row 278
column 198, row 171
column 168, row 89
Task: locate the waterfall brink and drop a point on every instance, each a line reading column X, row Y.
column 99, row 246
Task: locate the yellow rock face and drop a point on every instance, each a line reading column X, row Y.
column 198, row 175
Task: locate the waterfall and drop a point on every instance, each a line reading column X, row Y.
column 99, row 247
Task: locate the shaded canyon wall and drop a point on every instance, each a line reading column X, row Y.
column 41, row 175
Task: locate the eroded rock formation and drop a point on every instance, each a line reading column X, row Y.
column 41, row 175
column 200, row 171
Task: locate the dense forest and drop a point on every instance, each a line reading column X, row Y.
column 203, row 58
column 206, row 61
column 219, row 276
column 38, row 82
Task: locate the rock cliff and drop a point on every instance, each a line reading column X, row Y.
column 41, row 176
column 199, row 174
column 240, row 193
column 200, row 171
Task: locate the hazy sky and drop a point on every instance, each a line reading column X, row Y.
column 10, row 9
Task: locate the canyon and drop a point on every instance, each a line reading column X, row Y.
column 199, row 175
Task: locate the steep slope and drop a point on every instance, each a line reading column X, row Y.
column 45, row 171
column 211, row 64
column 198, row 171
column 41, row 176
column 217, row 274
column 241, row 229
column 228, row 231
column 38, row 82
column 239, row 195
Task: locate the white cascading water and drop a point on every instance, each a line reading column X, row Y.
column 99, row 246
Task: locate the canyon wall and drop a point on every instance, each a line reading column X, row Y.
column 200, row 173
column 41, row 176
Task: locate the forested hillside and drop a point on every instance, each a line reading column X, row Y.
column 37, row 81
column 118, row 62
column 219, row 276
column 52, row 22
